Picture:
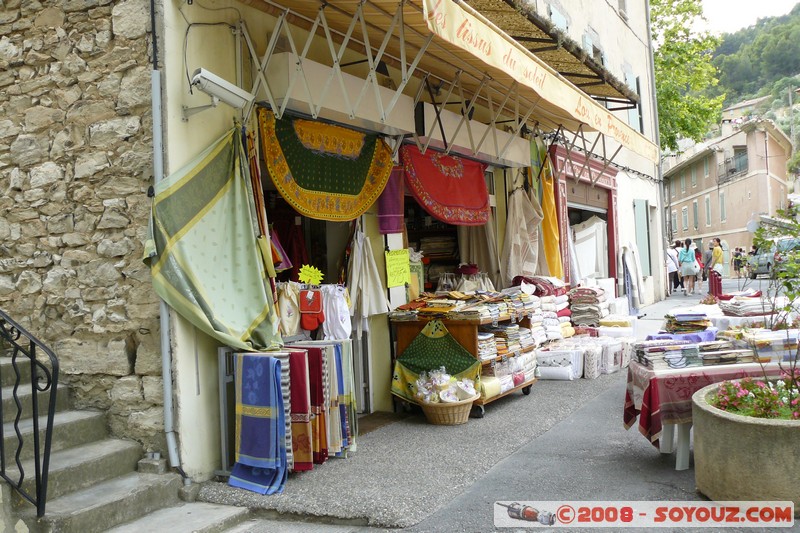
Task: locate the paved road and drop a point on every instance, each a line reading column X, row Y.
column 588, row 456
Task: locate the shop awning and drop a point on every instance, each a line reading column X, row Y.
column 464, row 41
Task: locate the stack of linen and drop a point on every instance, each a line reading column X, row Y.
column 537, row 328
column 552, row 326
column 646, row 351
column 506, row 338
column 526, row 339
column 743, row 306
column 687, row 322
column 724, row 352
column 487, row 347
column 588, row 305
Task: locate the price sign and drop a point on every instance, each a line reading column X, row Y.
column 398, row 270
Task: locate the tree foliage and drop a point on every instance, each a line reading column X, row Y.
column 752, row 59
column 684, row 72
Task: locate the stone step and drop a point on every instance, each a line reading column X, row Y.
column 25, row 398
column 187, row 518
column 268, row 525
column 111, row 503
column 70, row 428
column 7, row 374
column 76, row 468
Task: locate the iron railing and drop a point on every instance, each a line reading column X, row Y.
column 27, row 348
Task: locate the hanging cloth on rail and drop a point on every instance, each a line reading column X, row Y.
column 367, row 295
column 203, row 222
column 260, row 425
column 390, row 204
column 324, row 171
column 549, row 233
column 452, row 189
column 521, row 246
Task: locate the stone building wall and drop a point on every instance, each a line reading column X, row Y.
column 75, row 166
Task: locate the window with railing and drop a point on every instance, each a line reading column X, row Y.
column 733, row 166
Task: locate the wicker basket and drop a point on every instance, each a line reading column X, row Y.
column 448, row 413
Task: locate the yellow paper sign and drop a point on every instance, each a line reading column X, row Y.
column 398, row 271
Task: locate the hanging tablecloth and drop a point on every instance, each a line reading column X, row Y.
column 323, row 171
column 451, row 189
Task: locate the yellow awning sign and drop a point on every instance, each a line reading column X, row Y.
column 564, row 101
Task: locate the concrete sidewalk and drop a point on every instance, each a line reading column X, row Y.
column 566, row 441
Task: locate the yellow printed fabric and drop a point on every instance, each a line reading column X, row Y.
column 324, row 171
column 202, row 250
column 549, row 232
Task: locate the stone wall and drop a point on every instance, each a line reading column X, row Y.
column 75, row 165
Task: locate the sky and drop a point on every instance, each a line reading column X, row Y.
column 732, row 15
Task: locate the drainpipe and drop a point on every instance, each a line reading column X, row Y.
column 166, row 341
column 654, row 103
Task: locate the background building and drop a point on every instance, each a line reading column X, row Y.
column 715, row 188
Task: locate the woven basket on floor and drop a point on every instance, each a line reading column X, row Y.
column 448, row 413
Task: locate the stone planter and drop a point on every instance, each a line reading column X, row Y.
column 744, row 458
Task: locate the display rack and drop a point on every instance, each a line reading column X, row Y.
column 465, row 332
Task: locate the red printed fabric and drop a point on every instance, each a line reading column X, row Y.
column 665, row 397
column 450, row 188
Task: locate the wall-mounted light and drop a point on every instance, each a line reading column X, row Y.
column 219, row 89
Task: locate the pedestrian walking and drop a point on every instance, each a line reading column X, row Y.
column 707, row 259
column 699, row 277
column 715, row 269
column 689, row 266
column 736, row 262
column 673, row 268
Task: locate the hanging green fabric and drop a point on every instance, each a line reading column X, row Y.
column 202, row 249
column 432, row 349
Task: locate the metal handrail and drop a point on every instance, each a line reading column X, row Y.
column 43, row 379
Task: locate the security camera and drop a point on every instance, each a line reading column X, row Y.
column 220, row 89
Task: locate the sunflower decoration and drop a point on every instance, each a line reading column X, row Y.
column 310, row 275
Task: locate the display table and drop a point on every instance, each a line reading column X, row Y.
column 662, row 399
column 465, row 332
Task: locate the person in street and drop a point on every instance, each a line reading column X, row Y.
column 707, row 259
column 715, row 269
column 736, row 262
column 673, row 268
column 689, row 266
column 699, row 277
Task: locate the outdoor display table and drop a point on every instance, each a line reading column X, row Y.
column 662, row 399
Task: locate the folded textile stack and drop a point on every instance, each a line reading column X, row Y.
column 771, row 345
column 487, row 347
column 687, row 322
column 744, row 306
column 724, row 352
column 645, row 351
column 528, row 363
column 543, row 285
column 439, row 246
column 506, row 338
column 537, row 328
column 526, row 339
column 588, row 305
column 567, row 330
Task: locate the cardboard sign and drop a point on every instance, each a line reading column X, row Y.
column 398, row 271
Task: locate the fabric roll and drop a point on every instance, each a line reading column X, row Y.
column 318, row 405
column 301, row 411
column 260, row 426
column 286, row 393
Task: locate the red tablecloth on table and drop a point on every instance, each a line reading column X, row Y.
column 660, row 397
